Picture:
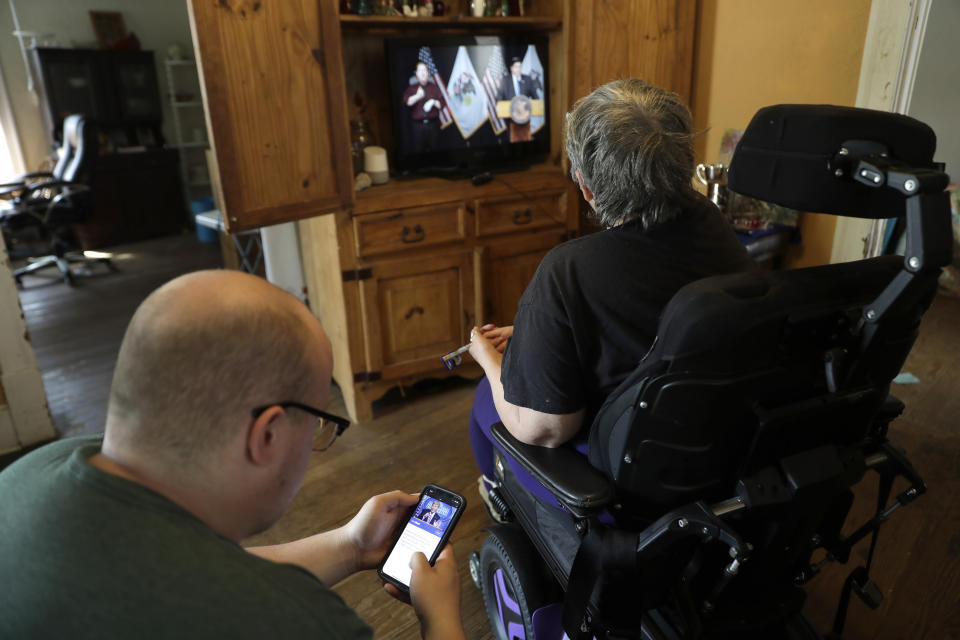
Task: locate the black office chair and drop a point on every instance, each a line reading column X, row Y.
column 725, row 461
column 54, row 201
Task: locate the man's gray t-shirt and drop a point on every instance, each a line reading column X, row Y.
column 84, row 553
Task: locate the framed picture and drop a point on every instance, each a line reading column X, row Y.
column 108, row 27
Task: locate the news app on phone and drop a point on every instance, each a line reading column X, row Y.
column 426, row 531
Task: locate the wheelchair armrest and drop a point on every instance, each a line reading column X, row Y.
column 566, row 473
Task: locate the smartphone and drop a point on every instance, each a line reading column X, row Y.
column 426, row 530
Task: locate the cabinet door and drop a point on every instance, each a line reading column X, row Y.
column 273, row 89
column 134, row 76
column 649, row 39
column 504, row 270
column 415, row 311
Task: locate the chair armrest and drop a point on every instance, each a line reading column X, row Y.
column 36, row 174
column 566, row 473
column 53, row 184
column 11, row 188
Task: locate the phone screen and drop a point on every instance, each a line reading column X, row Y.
column 423, row 532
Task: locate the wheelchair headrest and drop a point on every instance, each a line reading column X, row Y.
column 793, row 155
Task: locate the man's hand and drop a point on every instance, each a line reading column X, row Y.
column 417, row 97
column 429, row 104
column 360, row 544
column 435, row 595
column 370, row 532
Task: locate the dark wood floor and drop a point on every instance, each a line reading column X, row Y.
column 77, row 332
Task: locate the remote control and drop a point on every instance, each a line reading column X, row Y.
column 481, row 178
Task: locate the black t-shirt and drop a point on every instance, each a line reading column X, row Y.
column 591, row 311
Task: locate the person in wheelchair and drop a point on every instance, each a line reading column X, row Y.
column 591, row 311
column 669, row 438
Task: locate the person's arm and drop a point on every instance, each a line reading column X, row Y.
column 360, row 544
column 526, row 425
column 415, row 97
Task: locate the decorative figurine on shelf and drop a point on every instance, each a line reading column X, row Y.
column 364, row 7
column 385, row 8
column 409, row 10
column 427, row 8
column 439, row 8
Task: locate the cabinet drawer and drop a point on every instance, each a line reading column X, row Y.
column 519, row 214
column 408, row 228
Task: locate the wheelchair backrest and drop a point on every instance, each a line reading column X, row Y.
column 750, row 368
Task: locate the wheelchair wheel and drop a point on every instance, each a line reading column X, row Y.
column 515, row 583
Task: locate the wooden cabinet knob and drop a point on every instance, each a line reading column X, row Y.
column 416, row 235
column 522, row 216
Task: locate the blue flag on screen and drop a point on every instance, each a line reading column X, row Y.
column 426, row 57
column 467, row 102
column 533, row 68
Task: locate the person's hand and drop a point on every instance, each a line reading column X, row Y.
column 497, row 336
column 435, row 594
column 483, row 351
column 420, row 93
column 430, row 104
column 370, row 532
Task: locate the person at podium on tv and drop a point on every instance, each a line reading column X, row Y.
column 424, row 100
column 515, row 83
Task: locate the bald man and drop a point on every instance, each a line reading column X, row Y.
column 216, row 397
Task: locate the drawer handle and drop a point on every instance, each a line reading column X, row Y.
column 413, row 310
column 418, row 232
column 522, row 216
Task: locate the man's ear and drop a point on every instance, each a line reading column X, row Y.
column 262, row 436
column 585, row 190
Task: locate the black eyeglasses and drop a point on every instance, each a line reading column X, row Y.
column 329, row 427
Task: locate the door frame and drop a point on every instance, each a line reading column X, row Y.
column 888, row 70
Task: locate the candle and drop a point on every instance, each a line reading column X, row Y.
column 375, row 163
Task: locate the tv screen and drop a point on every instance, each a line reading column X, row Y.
column 463, row 104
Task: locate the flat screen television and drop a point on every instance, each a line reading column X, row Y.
column 467, row 104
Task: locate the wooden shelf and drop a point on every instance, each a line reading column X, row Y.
column 422, row 190
column 465, row 23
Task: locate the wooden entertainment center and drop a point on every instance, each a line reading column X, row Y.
column 399, row 273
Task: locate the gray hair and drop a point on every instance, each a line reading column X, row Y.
column 632, row 144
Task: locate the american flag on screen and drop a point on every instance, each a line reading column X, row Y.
column 427, row 58
column 491, row 83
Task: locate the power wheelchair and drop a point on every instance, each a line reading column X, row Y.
column 718, row 468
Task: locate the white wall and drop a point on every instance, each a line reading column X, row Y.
column 24, row 414
column 936, row 90
column 157, row 24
